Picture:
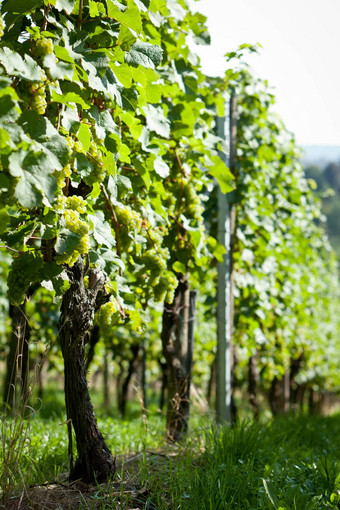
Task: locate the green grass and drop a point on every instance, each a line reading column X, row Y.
column 290, row 463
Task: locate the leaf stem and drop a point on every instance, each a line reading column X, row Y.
column 80, row 15
column 12, row 249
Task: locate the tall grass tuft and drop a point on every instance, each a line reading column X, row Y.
column 15, row 423
column 15, row 429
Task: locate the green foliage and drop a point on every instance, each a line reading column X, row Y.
column 286, row 280
column 101, row 105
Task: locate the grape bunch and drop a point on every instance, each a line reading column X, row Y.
column 74, row 223
column 78, row 147
column 65, row 173
column 130, row 223
column 154, row 262
column 188, row 201
column 164, row 290
column 2, row 27
column 193, row 208
column 70, row 145
column 21, row 275
column 70, row 259
column 128, row 218
column 108, row 316
column 39, row 103
column 71, row 208
column 76, row 203
column 98, row 173
column 154, row 259
column 43, row 47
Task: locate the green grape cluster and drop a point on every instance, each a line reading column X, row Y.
column 78, row 147
column 74, row 223
column 129, row 218
column 65, row 173
column 108, row 316
column 98, row 173
column 19, row 278
column 76, row 203
column 154, row 262
column 43, row 47
column 60, row 203
column 70, row 145
column 193, row 207
column 39, row 103
column 70, row 259
column 164, row 290
column 2, row 27
column 71, row 208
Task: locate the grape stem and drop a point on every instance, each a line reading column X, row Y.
column 80, row 17
column 59, row 112
column 46, row 11
column 12, row 249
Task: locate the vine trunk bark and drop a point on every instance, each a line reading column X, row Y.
column 94, row 461
column 164, row 383
column 295, row 367
column 177, row 343
column 279, row 395
column 124, row 389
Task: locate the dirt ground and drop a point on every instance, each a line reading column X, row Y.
column 127, row 491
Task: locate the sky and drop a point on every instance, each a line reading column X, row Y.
column 300, row 57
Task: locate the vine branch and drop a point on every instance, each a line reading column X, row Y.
column 114, row 219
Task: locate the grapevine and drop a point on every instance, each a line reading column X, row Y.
column 24, row 270
column 108, row 316
column 164, row 289
column 128, row 218
column 43, row 47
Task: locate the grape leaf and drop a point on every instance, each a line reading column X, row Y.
column 102, row 230
column 19, row 6
column 218, row 169
column 144, row 54
column 156, row 120
column 34, row 171
column 65, row 5
column 15, row 65
column 161, row 168
column 130, row 17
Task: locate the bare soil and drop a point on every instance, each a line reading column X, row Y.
column 127, row 491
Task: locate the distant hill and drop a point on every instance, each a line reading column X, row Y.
column 320, row 154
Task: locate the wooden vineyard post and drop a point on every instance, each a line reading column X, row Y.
column 226, row 230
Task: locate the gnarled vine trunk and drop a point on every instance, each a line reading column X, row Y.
column 164, row 383
column 295, row 367
column 279, row 395
column 94, row 461
column 123, row 390
column 177, row 342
